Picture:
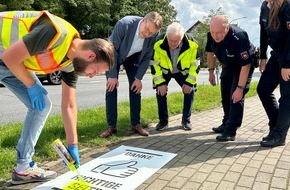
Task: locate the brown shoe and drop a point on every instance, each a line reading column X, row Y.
column 138, row 129
column 109, row 132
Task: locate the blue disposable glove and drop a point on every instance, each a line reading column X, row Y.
column 74, row 152
column 36, row 93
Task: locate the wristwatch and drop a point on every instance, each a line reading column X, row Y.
column 241, row 87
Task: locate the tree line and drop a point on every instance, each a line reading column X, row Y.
column 96, row 18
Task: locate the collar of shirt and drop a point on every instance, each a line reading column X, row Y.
column 137, row 43
column 174, row 53
column 137, row 34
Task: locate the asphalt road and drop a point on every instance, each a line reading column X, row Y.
column 90, row 93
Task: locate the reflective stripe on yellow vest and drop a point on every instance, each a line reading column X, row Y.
column 16, row 24
column 162, row 63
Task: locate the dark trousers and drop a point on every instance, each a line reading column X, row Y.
column 283, row 123
column 135, row 99
column 187, row 101
column 233, row 112
column 268, row 82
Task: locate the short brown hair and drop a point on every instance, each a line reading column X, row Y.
column 103, row 49
column 155, row 18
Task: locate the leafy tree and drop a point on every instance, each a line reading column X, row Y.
column 92, row 18
column 163, row 7
column 200, row 34
column 102, row 15
column 6, row 5
column 95, row 18
column 119, row 9
column 141, row 8
column 54, row 6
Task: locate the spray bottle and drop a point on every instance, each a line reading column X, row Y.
column 69, row 161
column 64, row 154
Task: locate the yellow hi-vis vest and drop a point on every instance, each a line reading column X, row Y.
column 16, row 24
column 186, row 61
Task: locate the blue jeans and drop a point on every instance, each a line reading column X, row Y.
column 187, row 100
column 34, row 120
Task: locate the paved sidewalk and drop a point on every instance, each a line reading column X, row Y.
column 203, row 163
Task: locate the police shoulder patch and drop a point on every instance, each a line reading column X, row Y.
column 288, row 25
column 245, row 55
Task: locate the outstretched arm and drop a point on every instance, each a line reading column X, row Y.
column 69, row 116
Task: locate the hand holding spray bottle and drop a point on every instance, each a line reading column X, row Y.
column 64, row 154
column 70, row 162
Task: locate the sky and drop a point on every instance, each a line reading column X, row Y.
column 190, row 11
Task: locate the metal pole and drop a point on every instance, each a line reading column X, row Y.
column 237, row 19
column 217, row 73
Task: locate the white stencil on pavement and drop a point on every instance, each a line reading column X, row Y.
column 123, row 168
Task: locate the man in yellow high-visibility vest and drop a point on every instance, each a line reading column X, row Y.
column 175, row 56
column 37, row 41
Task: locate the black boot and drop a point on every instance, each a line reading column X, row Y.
column 273, row 141
column 219, row 129
column 265, row 138
column 225, row 137
column 268, row 136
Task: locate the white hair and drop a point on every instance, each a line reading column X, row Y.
column 175, row 28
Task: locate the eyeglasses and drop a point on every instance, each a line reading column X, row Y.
column 147, row 30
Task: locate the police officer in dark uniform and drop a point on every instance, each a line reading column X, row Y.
column 231, row 46
column 279, row 39
column 270, row 72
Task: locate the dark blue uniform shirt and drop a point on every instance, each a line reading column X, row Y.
column 235, row 50
column 264, row 38
column 280, row 39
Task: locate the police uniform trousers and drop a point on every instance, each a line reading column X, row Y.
column 233, row 112
column 268, row 82
column 283, row 123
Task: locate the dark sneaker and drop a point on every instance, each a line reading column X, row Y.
column 219, row 129
column 32, row 174
column 186, row 126
column 225, row 137
column 161, row 126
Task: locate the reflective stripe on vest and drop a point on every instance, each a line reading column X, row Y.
column 184, row 72
column 20, row 22
column 69, row 68
column 191, row 77
column 196, row 63
column 157, row 78
column 152, row 62
column 165, row 71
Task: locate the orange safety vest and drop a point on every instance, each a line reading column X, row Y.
column 16, row 24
